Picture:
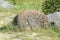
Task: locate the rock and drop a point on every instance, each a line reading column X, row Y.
column 32, row 18
column 54, row 17
column 6, row 4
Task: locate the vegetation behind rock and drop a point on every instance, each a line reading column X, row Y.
column 50, row 6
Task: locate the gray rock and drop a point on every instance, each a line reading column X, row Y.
column 6, row 4
column 32, row 18
column 54, row 17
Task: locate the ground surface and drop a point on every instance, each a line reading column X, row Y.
column 6, row 17
column 26, row 36
column 40, row 34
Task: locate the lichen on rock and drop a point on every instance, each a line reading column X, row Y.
column 32, row 18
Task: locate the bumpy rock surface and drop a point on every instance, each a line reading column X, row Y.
column 32, row 18
column 54, row 17
column 6, row 4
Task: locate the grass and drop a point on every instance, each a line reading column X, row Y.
column 27, row 4
column 28, row 34
column 11, row 32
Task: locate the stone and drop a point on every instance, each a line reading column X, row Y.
column 6, row 4
column 32, row 18
column 55, row 18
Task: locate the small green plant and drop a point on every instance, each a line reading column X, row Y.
column 50, row 6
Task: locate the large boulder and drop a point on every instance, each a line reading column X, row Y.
column 54, row 18
column 32, row 18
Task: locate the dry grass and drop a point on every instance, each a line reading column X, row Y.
column 11, row 32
